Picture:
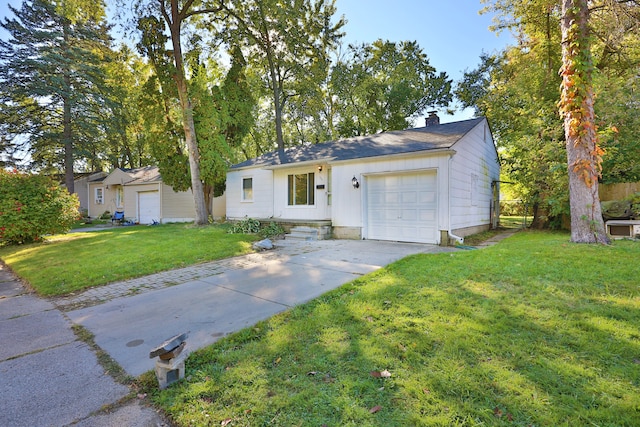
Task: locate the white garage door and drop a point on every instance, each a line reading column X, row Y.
column 402, row 207
column 148, row 207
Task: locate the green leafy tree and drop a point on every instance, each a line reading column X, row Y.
column 617, row 109
column 222, row 113
column 288, row 41
column 517, row 90
column 162, row 129
column 32, row 206
column 384, row 86
column 175, row 15
column 519, row 98
column 52, row 80
column 223, row 116
column 123, row 125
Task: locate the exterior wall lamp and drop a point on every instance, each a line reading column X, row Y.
column 319, row 168
column 355, row 182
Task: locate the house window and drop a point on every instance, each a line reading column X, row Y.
column 247, row 189
column 99, row 196
column 301, row 189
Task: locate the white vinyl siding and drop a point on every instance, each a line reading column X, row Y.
column 262, row 189
column 473, row 169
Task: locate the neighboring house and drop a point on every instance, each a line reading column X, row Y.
column 143, row 197
column 81, row 187
column 433, row 184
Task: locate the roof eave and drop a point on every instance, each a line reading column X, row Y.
column 424, row 153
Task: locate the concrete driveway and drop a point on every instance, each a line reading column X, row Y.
column 214, row 299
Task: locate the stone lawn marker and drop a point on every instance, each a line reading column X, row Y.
column 170, row 364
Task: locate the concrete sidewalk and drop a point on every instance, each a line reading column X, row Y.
column 47, row 376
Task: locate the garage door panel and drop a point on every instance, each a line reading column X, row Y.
column 409, row 197
column 427, row 197
column 409, row 215
column 402, row 207
column 427, row 215
column 377, row 198
column 392, row 197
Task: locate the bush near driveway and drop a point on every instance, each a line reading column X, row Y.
column 32, row 206
column 535, row 331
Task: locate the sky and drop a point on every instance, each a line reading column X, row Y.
column 452, row 33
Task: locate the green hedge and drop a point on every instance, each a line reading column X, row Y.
column 32, row 206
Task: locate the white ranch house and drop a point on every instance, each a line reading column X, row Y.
column 434, row 184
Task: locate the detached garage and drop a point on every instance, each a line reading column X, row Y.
column 434, row 184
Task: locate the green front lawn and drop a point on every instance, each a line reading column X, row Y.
column 76, row 261
column 534, row 331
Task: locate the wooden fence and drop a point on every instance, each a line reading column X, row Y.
column 617, row 191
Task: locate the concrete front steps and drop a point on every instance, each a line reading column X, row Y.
column 309, row 233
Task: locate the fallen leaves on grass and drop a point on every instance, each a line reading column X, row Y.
column 383, row 374
column 375, row 409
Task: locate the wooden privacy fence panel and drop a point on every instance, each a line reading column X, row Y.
column 618, row 191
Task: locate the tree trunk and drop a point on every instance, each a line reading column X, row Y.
column 583, row 153
column 275, row 85
column 67, row 133
column 187, row 119
column 67, row 137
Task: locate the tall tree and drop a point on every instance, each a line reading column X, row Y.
column 517, row 90
column 126, row 145
column 610, row 57
column 223, row 116
column 576, row 107
column 51, row 78
column 162, row 123
column 175, row 14
column 384, row 86
column 288, row 40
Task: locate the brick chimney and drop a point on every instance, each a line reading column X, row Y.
column 432, row 120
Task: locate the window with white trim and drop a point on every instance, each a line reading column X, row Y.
column 247, row 189
column 99, row 196
column 301, row 189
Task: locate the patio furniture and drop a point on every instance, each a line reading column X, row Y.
column 117, row 217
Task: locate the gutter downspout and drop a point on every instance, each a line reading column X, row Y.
column 450, row 235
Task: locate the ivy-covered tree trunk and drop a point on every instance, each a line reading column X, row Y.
column 576, row 107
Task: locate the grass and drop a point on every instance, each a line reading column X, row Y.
column 76, row 261
column 512, row 221
column 85, row 222
column 506, row 223
column 534, row 331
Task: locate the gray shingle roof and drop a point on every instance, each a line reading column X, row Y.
column 441, row 136
column 143, row 175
